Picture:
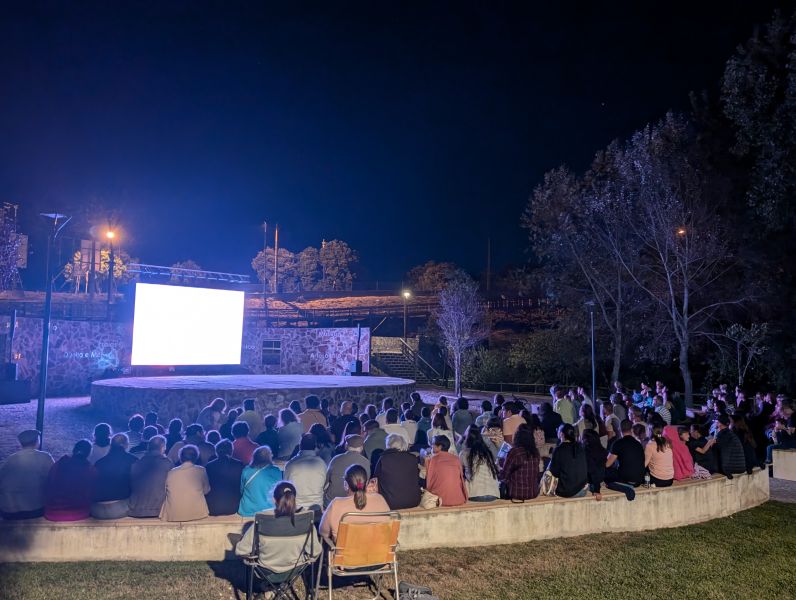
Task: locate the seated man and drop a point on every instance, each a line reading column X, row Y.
column 625, row 463
column 397, row 473
column 111, row 497
column 375, row 438
column 312, row 415
column 224, row 473
column 335, row 472
column 730, row 457
column 148, row 480
column 444, row 476
column 195, row 435
column 252, row 418
column 135, row 428
column 141, row 449
column 23, row 479
column 186, row 487
column 307, row 471
column 392, row 425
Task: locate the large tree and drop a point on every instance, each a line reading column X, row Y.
column 433, row 276
column 309, row 269
column 337, row 263
column 287, row 279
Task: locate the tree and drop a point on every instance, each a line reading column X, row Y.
column 287, row 269
column 120, row 261
column 433, row 276
column 178, row 274
column 462, row 323
column 337, row 262
column 9, row 256
column 309, row 269
column 748, row 345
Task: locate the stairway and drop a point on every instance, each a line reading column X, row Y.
column 396, row 364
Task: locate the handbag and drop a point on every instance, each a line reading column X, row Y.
column 548, row 484
column 428, row 500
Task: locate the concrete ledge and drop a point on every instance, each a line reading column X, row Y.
column 784, row 464
column 474, row 524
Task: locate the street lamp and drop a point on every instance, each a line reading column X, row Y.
column 590, row 305
column 110, row 235
column 406, row 295
column 57, row 223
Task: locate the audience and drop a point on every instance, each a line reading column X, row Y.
column 375, row 442
column 355, row 499
column 659, row 458
column 151, row 420
column 212, row 416
column 186, row 487
column 462, row 418
column 625, row 463
column 613, row 425
column 256, row 482
column 135, row 429
column 424, row 422
column 519, row 473
column 194, row 435
column 225, row 429
column 565, row 407
column 313, row 414
column 551, row 421
column 397, row 474
column 410, row 424
column 730, row 457
column 341, row 422
column 307, row 471
column 386, row 405
column 444, row 473
column 741, row 429
column 141, row 449
column 269, row 436
column 440, row 427
column 290, row 432
column 112, row 492
column 480, row 471
column 102, row 442
column 174, row 433
column 324, row 445
column 417, row 404
column 252, row 418
column 70, row 486
column 486, row 414
column 596, row 458
column 335, row 472
column 587, row 420
column 224, row 476
column 392, row 426
column 23, row 479
column 148, row 480
column 242, row 447
column 701, row 448
column 511, row 420
column 682, row 460
column 568, row 464
column 782, row 436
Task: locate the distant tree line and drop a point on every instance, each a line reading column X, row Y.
column 329, row 268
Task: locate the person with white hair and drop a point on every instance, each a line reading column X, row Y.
column 397, row 473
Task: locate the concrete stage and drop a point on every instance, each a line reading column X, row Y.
column 185, row 396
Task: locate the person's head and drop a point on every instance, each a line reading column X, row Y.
column 462, row 404
column 722, row 422
column 354, row 443
column 494, row 423
column 498, row 400
column 102, row 434
column 695, row 431
column 356, row 480
column 321, row 435
column 566, row 433
column 405, row 406
column 194, row 431
column 439, row 422
column 346, row 408
column 591, row 439
column 656, row 435
column 248, row 404
column 425, row 412
column 354, row 408
column 325, row 405
column 386, row 404
column 546, row 409
column 29, row 438
column 486, row 406
column 269, row 422
column 371, row 426
column 408, row 416
column 136, row 423
column 720, row 407
column 308, row 442
column 523, row 438
column 224, row 448
column 213, row 437
column 218, row 405
column 232, row 416
column 285, row 500
column 120, row 441
column 189, row 454
column 559, row 393
column 443, row 400
column 416, row 397
column 656, row 420
column 421, row 440
column 175, row 427
column 352, row 428
column 312, row 402
column 287, row 416
column 626, row 426
column 634, row 414
column 392, row 416
column 81, row 449
column 396, row 442
column 156, row 445
column 151, row 418
column 295, row 406
column 657, row 400
column 509, row 409
column 741, row 428
column 262, row 457
column 440, row 443
column 683, row 434
column 371, row 411
column 587, row 413
column 240, row 430
column 148, row 433
column 639, row 431
column 608, row 409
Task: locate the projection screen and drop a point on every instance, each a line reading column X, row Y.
column 176, row 325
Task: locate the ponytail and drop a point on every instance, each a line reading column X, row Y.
column 285, row 501
column 357, row 479
column 661, row 442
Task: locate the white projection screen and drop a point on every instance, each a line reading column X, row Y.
column 175, row 325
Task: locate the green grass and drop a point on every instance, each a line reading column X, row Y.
column 749, row 555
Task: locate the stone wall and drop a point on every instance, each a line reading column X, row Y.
column 80, row 351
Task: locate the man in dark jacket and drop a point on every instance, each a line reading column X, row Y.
column 729, row 450
column 397, row 473
column 224, row 475
column 148, row 479
column 113, row 480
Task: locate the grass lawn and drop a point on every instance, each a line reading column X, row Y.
column 749, row 555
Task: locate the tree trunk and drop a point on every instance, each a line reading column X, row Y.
column 685, row 371
column 457, row 373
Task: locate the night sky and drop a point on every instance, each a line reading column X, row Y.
column 411, row 130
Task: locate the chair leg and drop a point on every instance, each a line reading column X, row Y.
column 395, row 571
column 329, row 571
column 249, row 582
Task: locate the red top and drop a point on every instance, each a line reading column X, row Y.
column 444, row 478
column 70, row 490
column 242, row 449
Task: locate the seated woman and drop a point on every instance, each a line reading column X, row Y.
column 102, row 442
column 480, row 470
column 444, row 473
column 520, row 472
column 289, row 433
column 596, row 457
column 323, row 442
column 587, row 420
column 682, row 460
column 358, row 500
column 70, row 486
column 186, row 487
column 439, row 426
column 397, row 474
column 569, row 464
column 492, row 433
column 257, row 481
column 659, row 458
column 740, row 427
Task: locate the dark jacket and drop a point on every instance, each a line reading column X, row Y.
column 595, row 465
column 113, row 475
column 398, row 478
column 569, row 465
column 148, row 484
column 270, row 438
column 550, row 423
column 729, row 453
column 706, row 460
column 224, row 475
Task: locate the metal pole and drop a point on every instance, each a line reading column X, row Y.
column 276, row 255
column 45, row 339
column 404, row 318
column 110, row 277
column 593, row 367
column 92, row 273
column 265, row 247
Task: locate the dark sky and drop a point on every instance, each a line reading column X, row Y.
column 411, row 130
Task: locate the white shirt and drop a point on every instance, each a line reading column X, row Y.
column 397, row 429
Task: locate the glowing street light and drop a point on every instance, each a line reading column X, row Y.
column 406, row 295
column 110, row 235
column 681, row 232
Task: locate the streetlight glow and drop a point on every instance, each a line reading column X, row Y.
column 110, row 235
column 407, row 294
column 681, row 231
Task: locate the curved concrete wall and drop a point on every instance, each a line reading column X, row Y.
column 473, row 525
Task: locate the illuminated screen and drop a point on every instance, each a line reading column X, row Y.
column 177, row 325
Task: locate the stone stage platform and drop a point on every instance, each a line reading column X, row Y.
column 185, row 396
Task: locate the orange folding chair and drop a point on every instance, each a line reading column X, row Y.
column 366, row 545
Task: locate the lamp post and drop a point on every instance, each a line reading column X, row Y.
column 590, row 305
column 57, row 223
column 110, row 235
column 406, row 295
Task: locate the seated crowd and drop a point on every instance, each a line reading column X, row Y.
column 343, row 459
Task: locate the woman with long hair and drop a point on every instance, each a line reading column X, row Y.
column 740, row 427
column 285, row 501
column 323, row 442
column 569, row 464
column 102, row 442
column 480, row 471
column 520, row 471
column 659, row 458
column 588, row 420
column 351, row 428
column 358, row 500
column 289, row 433
column 596, row 455
column 439, row 426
